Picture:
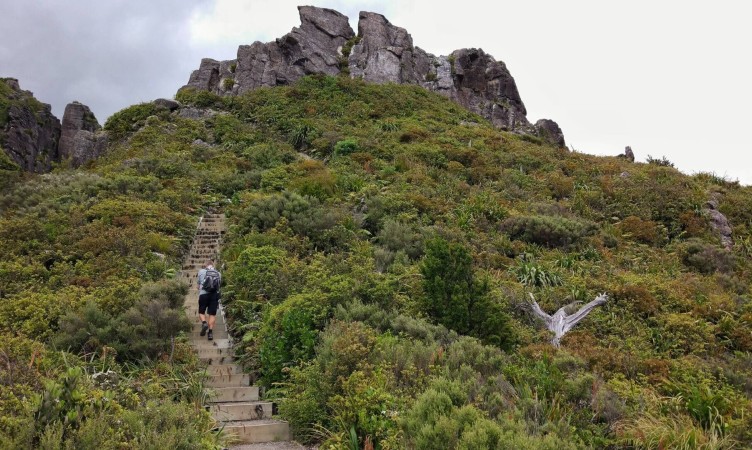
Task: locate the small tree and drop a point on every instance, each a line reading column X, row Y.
column 456, row 299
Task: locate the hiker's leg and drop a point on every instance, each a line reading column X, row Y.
column 213, row 305
column 203, row 303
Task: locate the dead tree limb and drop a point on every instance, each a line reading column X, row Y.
column 561, row 322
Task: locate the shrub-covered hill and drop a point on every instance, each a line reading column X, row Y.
column 383, row 246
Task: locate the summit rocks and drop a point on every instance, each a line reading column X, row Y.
column 380, row 53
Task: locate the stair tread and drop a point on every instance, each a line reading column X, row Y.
column 253, row 423
column 280, row 445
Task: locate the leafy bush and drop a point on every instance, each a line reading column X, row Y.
column 130, row 119
column 346, row 147
column 644, row 231
column 142, row 331
column 663, row 161
column 456, row 299
column 706, row 258
column 547, row 231
column 395, row 236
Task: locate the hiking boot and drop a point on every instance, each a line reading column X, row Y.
column 204, row 327
column 211, row 335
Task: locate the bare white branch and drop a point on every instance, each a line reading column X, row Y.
column 561, row 322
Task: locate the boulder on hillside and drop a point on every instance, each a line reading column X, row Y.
column 170, row 105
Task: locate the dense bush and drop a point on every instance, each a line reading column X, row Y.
column 547, row 231
column 355, row 323
column 455, row 298
column 707, row 258
column 144, row 330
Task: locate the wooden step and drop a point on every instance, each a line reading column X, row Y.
column 232, row 380
column 219, row 332
column 216, row 343
column 256, row 431
column 223, row 369
column 238, row 411
column 217, row 359
column 234, row 394
column 215, row 352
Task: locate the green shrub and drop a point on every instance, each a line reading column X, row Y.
column 289, row 337
column 199, row 98
column 456, row 299
column 130, row 119
column 346, row 147
column 643, row 231
column 302, row 134
column 707, row 258
column 143, row 331
column 532, row 274
column 547, row 231
column 395, row 236
column 663, row 161
column 259, row 271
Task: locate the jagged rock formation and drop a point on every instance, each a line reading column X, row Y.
column 380, row 53
column 29, row 132
column 628, row 154
column 33, row 138
column 719, row 222
column 81, row 140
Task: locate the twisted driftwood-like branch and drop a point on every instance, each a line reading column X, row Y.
column 561, row 322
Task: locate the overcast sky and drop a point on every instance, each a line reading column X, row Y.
column 669, row 78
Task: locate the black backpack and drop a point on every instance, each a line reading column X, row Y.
column 211, row 281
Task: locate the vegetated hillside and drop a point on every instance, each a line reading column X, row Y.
column 383, row 246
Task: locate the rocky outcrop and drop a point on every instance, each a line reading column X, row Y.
column 628, row 154
column 313, row 48
column 34, row 139
column 29, row 132
column 380, row 53
column 719, row 222
column 81, row 140
column 549, row 131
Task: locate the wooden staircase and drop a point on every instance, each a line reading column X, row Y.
column 233, row 402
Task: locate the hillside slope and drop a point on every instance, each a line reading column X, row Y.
column 382, row 249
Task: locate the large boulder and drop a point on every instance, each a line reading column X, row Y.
column 82, row 139
column 29, row 132
column 380, row 53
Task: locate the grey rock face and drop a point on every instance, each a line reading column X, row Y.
column 313, row 48
column 384, row 53
column 719, row 222
column 381, row 53
column 550, row 131
column 29, row 132
column 81, row 140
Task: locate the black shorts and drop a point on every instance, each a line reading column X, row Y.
column 208, row 303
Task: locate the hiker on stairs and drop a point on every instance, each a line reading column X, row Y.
column 209, row 282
